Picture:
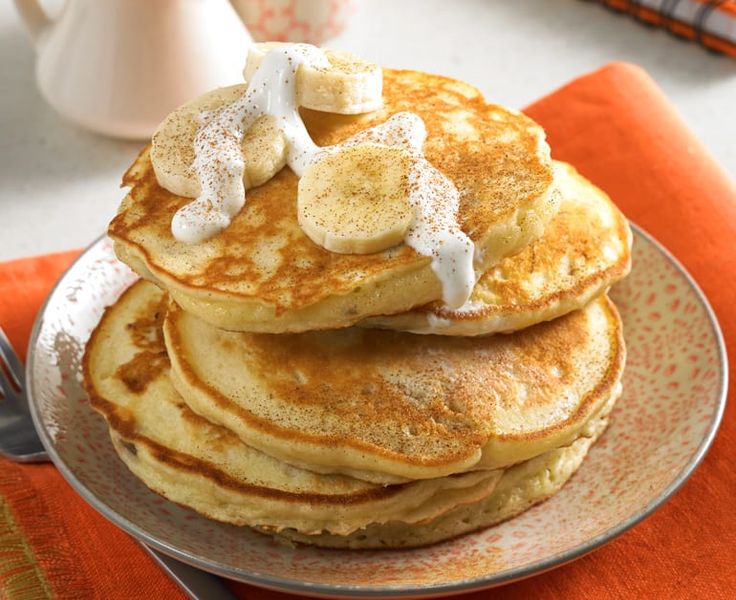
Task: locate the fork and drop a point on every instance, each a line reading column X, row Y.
column 18, row 438
column 20, row 442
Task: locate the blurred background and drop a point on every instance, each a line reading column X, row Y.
column 59, row 183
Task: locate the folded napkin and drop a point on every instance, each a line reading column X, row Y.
column 619, row 130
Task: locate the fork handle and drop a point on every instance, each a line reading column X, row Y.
column 32, row 457
column 197, row 584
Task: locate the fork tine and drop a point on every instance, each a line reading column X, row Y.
column 6, row 390
column 11, row 360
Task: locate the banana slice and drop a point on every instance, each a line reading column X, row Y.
column 172, row 152
column 348, row 86
column 356, row 200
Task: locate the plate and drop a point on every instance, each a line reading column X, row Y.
column 674, row 396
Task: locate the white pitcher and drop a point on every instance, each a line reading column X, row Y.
column 120, row 66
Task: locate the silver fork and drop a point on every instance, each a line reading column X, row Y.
column 18, row 438
column 20, row 442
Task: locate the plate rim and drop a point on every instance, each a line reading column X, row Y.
column 418, row 591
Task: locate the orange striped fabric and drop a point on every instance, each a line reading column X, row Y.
column 711, row 23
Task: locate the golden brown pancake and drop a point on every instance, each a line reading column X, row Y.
column 264, row 274
column 191, row 461
column 584, row 250
column 198, row 464
column 389, row 406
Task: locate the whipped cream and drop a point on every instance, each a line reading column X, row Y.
column 218, row 158
column 435, row 231
column 219, row 166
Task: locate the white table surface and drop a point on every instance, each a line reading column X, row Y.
column 59, row 185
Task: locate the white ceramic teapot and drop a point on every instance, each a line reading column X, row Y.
column 120, row 66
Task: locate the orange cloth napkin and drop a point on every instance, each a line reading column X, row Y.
column 619, row 130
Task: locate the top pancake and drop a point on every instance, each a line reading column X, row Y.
column 585, row 249
column 262, row 273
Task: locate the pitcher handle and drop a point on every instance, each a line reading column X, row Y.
column 34, row 18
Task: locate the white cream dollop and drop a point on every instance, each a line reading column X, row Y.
column 436, row 233
column 218, row 158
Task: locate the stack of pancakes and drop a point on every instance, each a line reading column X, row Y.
column 332, row 399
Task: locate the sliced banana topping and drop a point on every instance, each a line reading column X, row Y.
column 368, row 197
column 264, row 151
column 356, row 200
column 172, row 149
column 343, row 83
column 364, row 195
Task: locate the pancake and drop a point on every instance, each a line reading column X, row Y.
column 387, row 406
column 206, row 467
column 519, row 488
column 195, row 463
column 584, row 250
column 262, row 273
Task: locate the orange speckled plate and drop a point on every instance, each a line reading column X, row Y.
column 674, row 396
